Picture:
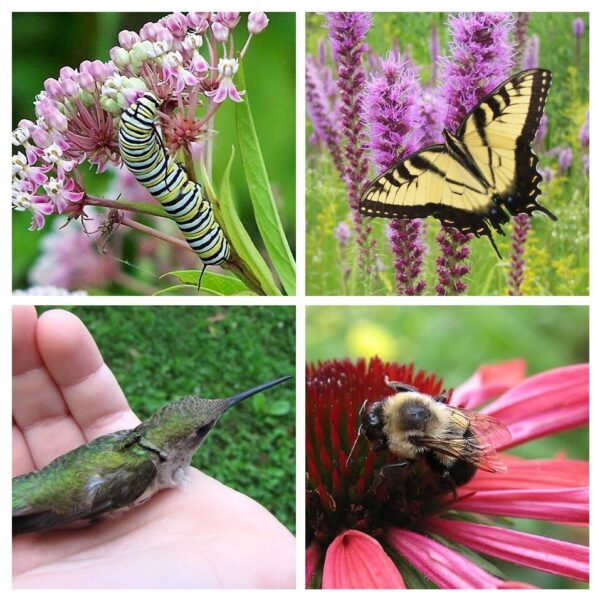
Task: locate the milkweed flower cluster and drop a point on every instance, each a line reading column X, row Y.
column 77, row 113
column 368, row 531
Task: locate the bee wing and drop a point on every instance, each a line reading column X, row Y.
column 477, row 449
column 489, row 430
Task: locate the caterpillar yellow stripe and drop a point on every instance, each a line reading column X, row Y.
column 143, row 153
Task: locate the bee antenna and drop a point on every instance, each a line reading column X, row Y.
column 351, row 451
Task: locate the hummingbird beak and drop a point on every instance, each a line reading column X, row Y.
column 231, row 401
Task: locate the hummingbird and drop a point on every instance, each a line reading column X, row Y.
column 119, row 470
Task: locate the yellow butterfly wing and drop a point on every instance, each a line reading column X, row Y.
column 497, row 134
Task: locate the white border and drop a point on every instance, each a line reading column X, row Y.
column 7, row 300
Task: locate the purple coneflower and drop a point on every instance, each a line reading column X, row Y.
column 347, row 34
column 367, row 531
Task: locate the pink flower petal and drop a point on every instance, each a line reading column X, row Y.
column 532, row 474
column 313, row 557
column 532, row 551
column 550, row 402
column 487, row 382
column 569, row 506
column 445, row 567
column 355, row 560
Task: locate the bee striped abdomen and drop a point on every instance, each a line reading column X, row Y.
column 182, row 199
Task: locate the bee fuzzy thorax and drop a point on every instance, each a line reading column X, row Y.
column 409, row 415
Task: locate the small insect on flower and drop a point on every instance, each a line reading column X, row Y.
column 423, row 431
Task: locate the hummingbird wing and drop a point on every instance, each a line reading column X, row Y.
column 86, row 483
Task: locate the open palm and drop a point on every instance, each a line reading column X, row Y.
column 206, row 536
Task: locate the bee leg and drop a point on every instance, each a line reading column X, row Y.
column 388, row 468
column 399, row 387
column 448, row 480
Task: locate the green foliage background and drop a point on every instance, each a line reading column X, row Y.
column 161, row 353
column 557, row 254
column 45, row 42
column 452, row 341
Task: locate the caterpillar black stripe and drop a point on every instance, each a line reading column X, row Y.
column 144, row 154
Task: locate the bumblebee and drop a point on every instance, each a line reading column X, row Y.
column 413, row 426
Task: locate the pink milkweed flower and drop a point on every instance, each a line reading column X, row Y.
column 24, row 199
column 365, row 530
column 228, row 19
column 61, row 192
column 227, row 67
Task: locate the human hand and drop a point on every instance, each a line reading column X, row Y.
column 209, row 535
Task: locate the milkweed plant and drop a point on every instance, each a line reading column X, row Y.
column 367, row 111
column 190, row 62
column 367, row 530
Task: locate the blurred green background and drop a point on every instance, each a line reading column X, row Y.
column 161, row 353
column 452, row 341
column 44, row 42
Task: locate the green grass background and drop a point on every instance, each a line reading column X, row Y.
column 45, row 42
column 452, row 341
column 161, row 353
column 557, row 253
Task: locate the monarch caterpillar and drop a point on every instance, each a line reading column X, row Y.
column 145, row 156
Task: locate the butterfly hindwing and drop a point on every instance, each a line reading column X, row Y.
column 498, row 133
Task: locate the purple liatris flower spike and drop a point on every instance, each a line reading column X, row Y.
column 520, row 31
column 392, row 111
column 578, row 31
column 433, row 47
column 481, row 57
column 451, row 263
column 530, row 58
column 342, row 233
column 517, row 262
column 564, row 160
column 320, row 113
column 583, row 135
column 347, row 34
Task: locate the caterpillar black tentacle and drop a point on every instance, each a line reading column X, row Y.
column 144, row 154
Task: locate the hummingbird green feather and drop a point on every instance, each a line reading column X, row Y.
column 119, row 470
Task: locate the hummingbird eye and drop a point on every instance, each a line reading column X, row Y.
column 204, row 430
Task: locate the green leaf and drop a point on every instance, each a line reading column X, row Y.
column 235, row 231
column 214, row 283
column 265, row 210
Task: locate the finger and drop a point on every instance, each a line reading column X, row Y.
column 38, row 407
column 89, row 388
column 22, row 460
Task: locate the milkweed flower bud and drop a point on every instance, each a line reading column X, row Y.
column 220, row 32
column 257, row 22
